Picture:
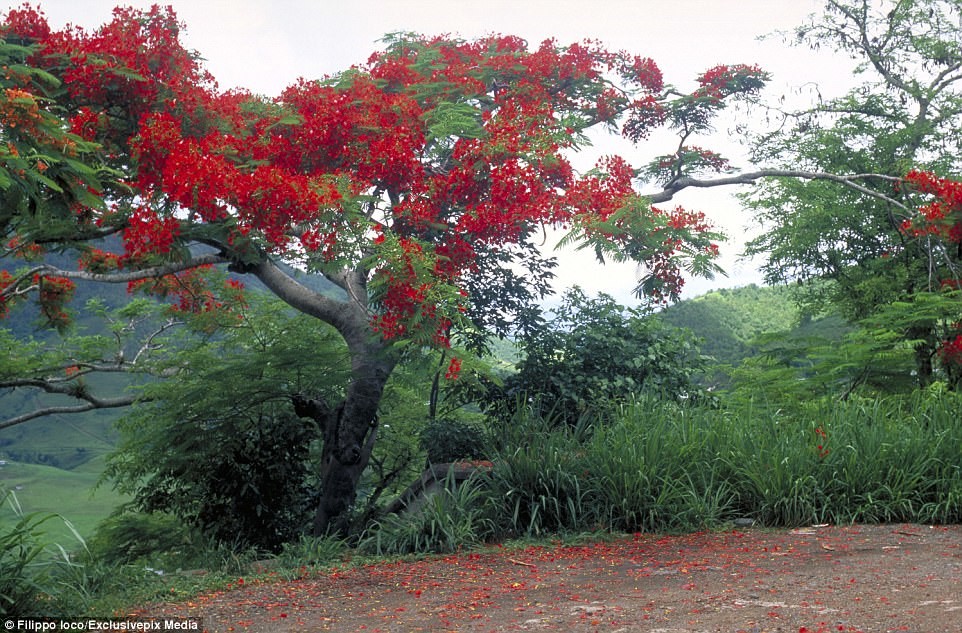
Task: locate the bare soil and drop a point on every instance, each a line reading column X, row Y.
column 870, row 579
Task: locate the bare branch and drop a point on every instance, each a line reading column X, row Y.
column 93, row 403
column 136, row 275
column 14, row 288
column 149, row 345
column 751, row 178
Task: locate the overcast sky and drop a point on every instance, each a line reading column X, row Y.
column 266, row 45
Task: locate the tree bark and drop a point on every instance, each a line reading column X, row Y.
column 349, row 432
column 349, row 428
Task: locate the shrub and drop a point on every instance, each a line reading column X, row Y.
column 452, row 440
column 136, row 536
column 594, row 354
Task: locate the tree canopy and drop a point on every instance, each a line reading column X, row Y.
column 900, row 123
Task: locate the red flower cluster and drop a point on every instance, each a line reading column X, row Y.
column 722, row 81
column 454, row 369
column 98, row 261
column 191, row 292
column 950, row 354
column 822, row 438
column 400, row 167
column 943, row 216
column 54, row 294
column 147, row 234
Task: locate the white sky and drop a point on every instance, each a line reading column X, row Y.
column 266, row 45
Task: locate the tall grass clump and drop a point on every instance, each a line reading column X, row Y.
column 649, row 466
column 24, row 570
column 453, row 518
column 541, row 481
column 885, row 459
column 656, row 468
column 657, row 465
column 39, row 578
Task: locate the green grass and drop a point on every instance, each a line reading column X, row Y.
column 661, row 467
column 70, row 494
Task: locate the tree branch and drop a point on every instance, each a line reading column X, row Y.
column 342, row 315
column 13, row 289
column 92, row 403
column 751, row 178
column 137, row 275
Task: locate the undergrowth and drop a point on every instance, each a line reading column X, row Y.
column 652, row 466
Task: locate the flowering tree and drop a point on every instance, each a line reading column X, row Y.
column 902, row 113
column 938, row 225
column 414, row 182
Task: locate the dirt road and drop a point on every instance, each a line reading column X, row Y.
column 870, row 579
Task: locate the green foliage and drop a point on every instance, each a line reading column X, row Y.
column 44, row 170
column 129, row 537
column 456, row 516
column 23, row 570
column 881, row 460
column 595, row 353
column 40, row 578
column 881, row 354
column 661, row 466
column 311, row 552
column 220, row 446
column 904, row 115
column 447, row 441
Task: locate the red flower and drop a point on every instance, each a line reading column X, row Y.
column 454, row 369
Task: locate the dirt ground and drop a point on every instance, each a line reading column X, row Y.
column 871, row 579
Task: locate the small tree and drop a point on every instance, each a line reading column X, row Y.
column 221, row 446
column 593, row 354
column 904, row 113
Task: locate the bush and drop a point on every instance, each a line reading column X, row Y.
column 540, row 477
column 222, row 447
column 311, row 551
column 595, row 354
column 133, row 536
column 448, row 441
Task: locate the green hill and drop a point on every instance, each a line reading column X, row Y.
column 69, row 493
column 730, row 321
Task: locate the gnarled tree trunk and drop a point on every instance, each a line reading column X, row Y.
column 349, row 428
column 349, row 431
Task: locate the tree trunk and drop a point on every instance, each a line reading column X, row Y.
column 923, row 357
column 349, row 432
column 349, row 428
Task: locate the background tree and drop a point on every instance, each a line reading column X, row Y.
column 593, row 354
column 396, row 180
column 906, row 113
